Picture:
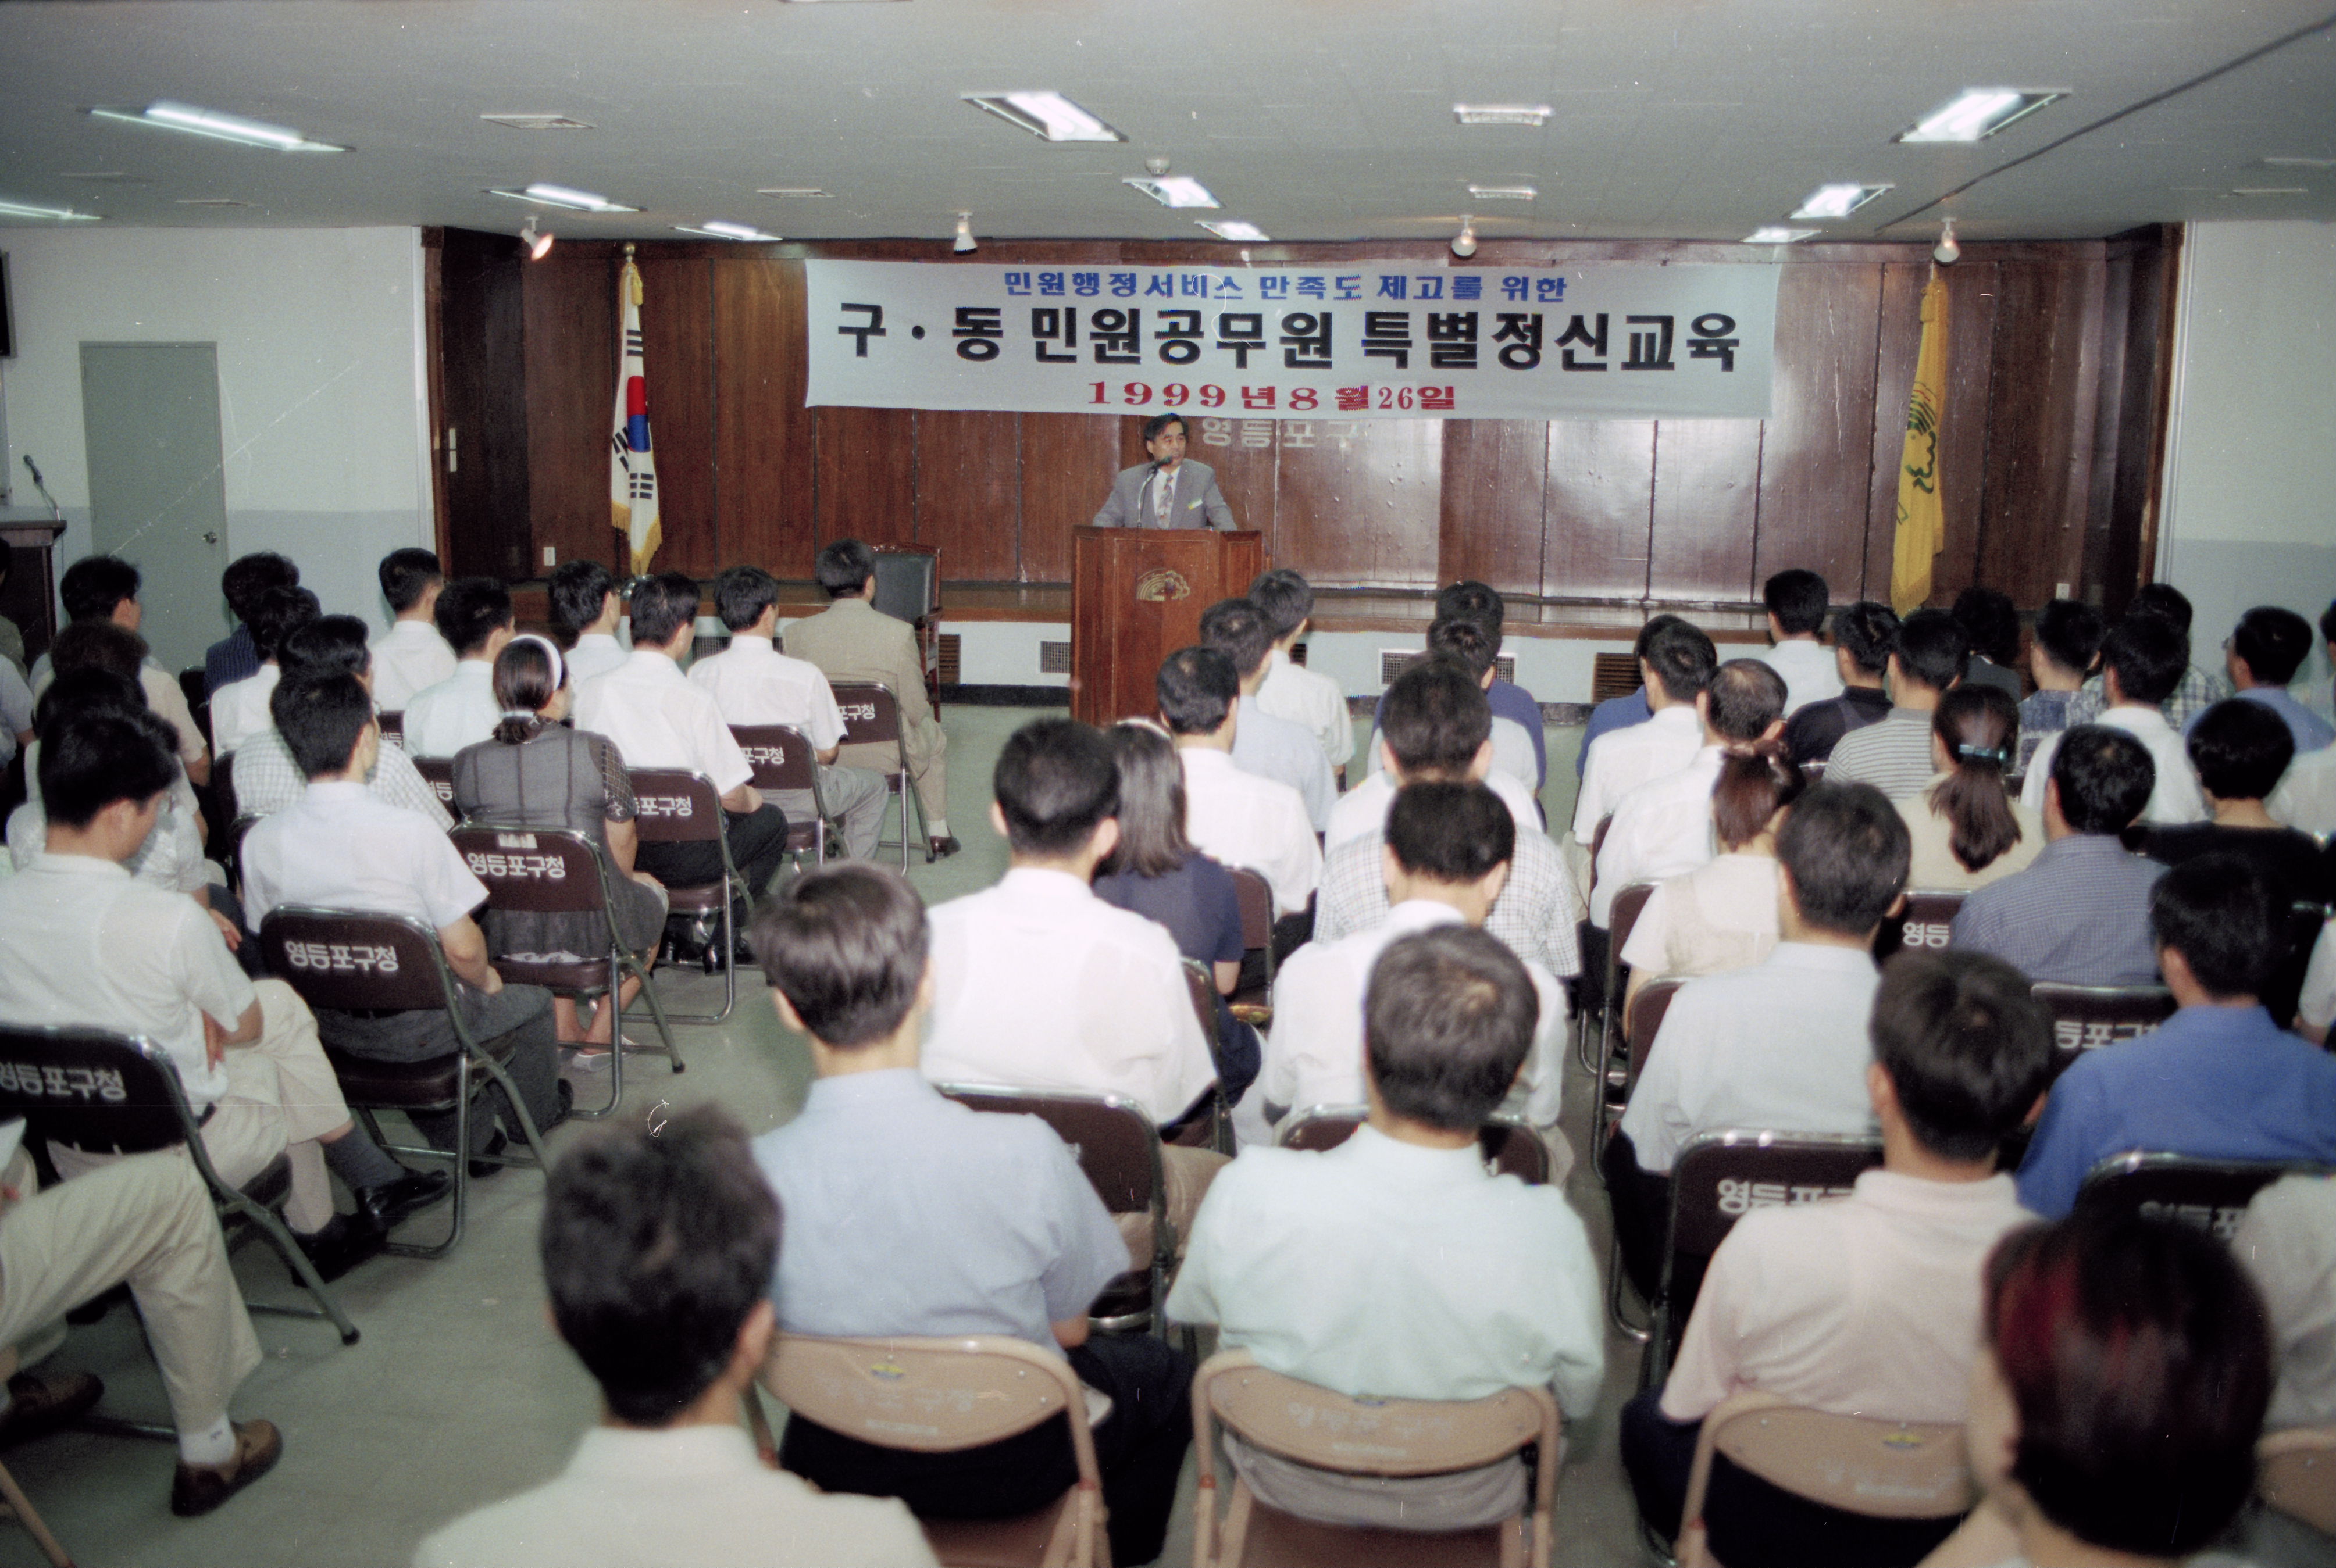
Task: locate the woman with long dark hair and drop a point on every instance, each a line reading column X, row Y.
column 1969, row 828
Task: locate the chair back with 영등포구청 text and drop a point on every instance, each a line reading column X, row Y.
column 2089, row 1017
column 1923, row 925
column 783, row 759
column 2211, row 1195
column 871, row 717
column 676, row 806
column 438, row 772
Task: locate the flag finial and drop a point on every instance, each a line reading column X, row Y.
column 629, row 250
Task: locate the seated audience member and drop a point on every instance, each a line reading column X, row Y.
column 1395, row 1266
column 1631, row 708
column 1116, row 1016
column 1992, row 628
column 1467, row 644
column 1926, row 660
column 2079, row 914
column 535, row 771
column 411, row 657
column 587, row 606
column 1663, row 827
column 246, row 1054
column 1866, row 1305
column 1863, row 636
column 105, row 588
column 852, row 640
column 474, row 615
column 909, row 1214
column 1434, row 723
column 240, row 711
column 658, row 1247
column 2194, row 690
column 16, row 701
column 752, row 683
column 171, row 859
column 1722, row 915
column 1448, row 847
column 1290, row 689
column 656, row 718
column 1477, row 602
column 2219, row 1080
column 235, row 657
column 1677, row 665
column 1797, row 601
column 2141, row 658
column 268, row 778
column 2288, row 1243
column 2241, row 750
column 1155, row 871
column 1782, row 1044
column 1269, row 747
column 2068, row 640
column 146, row 1220
column 1236, row 817
column 2306, row 795
column 12, row 636
column 1968, row 829
column 2265, row 650
column 340, row 848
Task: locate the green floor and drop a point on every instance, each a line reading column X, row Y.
column 459, row 1393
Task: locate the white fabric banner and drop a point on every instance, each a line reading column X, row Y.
column 1364, row 340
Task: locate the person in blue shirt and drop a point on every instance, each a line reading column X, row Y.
column 2265, row 650
column 2220, row 1081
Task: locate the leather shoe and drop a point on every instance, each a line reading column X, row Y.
column 481, row 1169
column 199, row 1488
column 341, row 1246
column 382, row 1208
column 38, row 1404
column 941, row 848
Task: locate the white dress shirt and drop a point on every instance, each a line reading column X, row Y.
column 2175, row 801
column 2306, row 795
column 595, row 653
column 1811, row 671
column 1622, row 760
column 239, row 709
column 459, row 710
column 1040, row 984
column 752, row 683
column 1238, row 818
column 2288, row 1243
column 1660, row 830
column 1314, row 1055
column 1779, row 1046
column 1308, row 697
column 1866, row 1305
column 656, row 718
column 408, row 659
column 2317, row 1005
column 171, row 858
column 1277, row 749
column 341, row 846
column 1512, row 753
column 1364, row 809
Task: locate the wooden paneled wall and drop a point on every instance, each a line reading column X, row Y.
column 2053, row 430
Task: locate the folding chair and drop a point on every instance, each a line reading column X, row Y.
column 1392, row 1438
column 438, row 772
column 1118, row 1149
column 872, row 716
column 1626, row 1055
column 1630, row 903
column 1254, row 1004
column 351, row 962
column 2295, row 1473
column 1509, row 1147
column 18, row 1506
column 1885, row 1469
column 1216, row 1129
column 937, row 1397
column 784, row 759
column 675, row 806
column 108, row 1093
column 560, row 871
column 393, row 728
column 1922, row 924
column 2087, row 1016
column 2212, row 1194
column 909, row 588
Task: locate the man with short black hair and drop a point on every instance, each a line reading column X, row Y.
column 1991, row 625
column 1863, row 636
column 240, row 711
column 2218, row 1080
column 1481, row 603
column 1927, row 661
column 2142, row 658
column 587, row 604
column 1467, row 644
column 266, row 776
column 235, row 657
column 1796, row 600
column 1630, row 707
column 1678, row 663
column 474, row 614
column 657, row 1246
column 105, row 588
column 2266, row 649
column 1291, row 690
column 2068, row 640
column 2077, row 914
column 1236, row 817
column 2194, row 690
column 1269, row 747
column 1171, row 491
column 1866, row 1305
column 412, row 656
column 909, row 1213
column 1437, row 723
column 2241, row 750
column 1396, row 1266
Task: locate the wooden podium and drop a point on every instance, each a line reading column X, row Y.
column 1136, row 597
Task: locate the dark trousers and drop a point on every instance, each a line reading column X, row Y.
column 758, row 846
column 1139, row 1447
column 1641, row 1202
column 1238, row 1052
column 514, row 1025
column 1754, row 1524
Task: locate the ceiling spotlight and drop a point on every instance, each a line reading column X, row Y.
column 538, row 244
column 59, row 214
column 1049, row 116
column 1464, row 244
column 1173, row 189
column 1778, row 234
column 1836, row 200
column 1235, row 229
column 963, row 243
column 210, row 123
column 1535, row 114
column 1978, row 113
column 1946, row 253
column 723, row 228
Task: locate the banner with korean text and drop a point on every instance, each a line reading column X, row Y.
column 1367, row 340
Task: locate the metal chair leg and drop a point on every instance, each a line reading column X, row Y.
column 461, row 1156
column 1615, row 1286
column 296, row 1260
column 30, row 1519
column 736, row 889
column 616, row 1046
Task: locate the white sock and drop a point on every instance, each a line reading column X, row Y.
column 214, row 1444
column 937, row 828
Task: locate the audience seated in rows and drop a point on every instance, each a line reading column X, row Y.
column 105, row 588
column 474, row 615
column 1677, row 665
column 1426, row 719
column 2068, row 640
column 1862, row 636
column 2193, row 690
column 2079, row 914
column 659, row 1248
column 2262, row 655
column 1239, row 818
column 1866, row 1305
column 1893, row 755
column 1796, row 600
column 1290, row 690
column 908, row 1215
column 2241, row 750
column 2288, row 1243
column 235, row 656
column 412, row 656
column 1395, row 1266
column 587, row 606
column 1269, row 747
column 1631, row 707
column 1483, row 605
column 1968, row 829
column 752, row 683
column 2141, row 659
column 1465, row 642
column 240, row 711
column 268, row 778
column 1991, row 625
column 1723, row 913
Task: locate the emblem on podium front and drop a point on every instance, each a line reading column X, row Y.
column 1161, row 584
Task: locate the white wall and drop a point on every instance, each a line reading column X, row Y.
column 323, row 407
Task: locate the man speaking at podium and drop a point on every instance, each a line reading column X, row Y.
column 1169, row 492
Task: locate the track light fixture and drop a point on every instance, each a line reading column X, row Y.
column 538, row 244
column 1946, row 253
column 1464, row 244
column 963, row 243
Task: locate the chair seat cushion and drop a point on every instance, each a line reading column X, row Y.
column 694, row 900
column 367, row 1080
column 585, row 975
column 1015, row 1542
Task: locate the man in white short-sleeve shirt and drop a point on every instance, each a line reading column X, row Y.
column 2288, row 1243
column 586, row 607
column 1678, row 663
column 1431, row 729
column 1269, row 747
column 266, row 776
column 1231, row 816
column 2143, row 659
column 1290, row 689
column 1796, row 600
column 475, row 616
column 411, row 656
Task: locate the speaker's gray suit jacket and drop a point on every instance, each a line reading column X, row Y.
column 1197, row 503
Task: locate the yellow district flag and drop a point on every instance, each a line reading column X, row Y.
column 1922, row 521
column 632, row 466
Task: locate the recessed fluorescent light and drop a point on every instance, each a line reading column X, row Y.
column 1501, row 113
column 60, row 214
column 1047, row 115
column 2267, row 163
column 210, row 123
column 106, row 176
column 1173, row 189
column 565, row 196
column 540, row 121
column 796, row 192
column 1978, row 113
column 1503, row 192
column 1234, row 228
column 1776, row 235
column 719, row 228
column 2269, row 190
column 210, row 201
column 1836, row 200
